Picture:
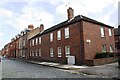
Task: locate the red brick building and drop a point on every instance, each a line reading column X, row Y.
column 117, row 38
column 12, row 52
column 78, row 36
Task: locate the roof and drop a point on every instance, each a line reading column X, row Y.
column 117, row 31
column 75, row 19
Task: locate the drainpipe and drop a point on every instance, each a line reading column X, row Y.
column 81, row 42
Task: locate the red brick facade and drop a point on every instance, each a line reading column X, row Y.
column 79, row 32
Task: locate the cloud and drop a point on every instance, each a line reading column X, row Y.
column 87, row 7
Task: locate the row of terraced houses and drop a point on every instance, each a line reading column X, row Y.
column 78, row 36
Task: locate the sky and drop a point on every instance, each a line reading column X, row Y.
column 16, row 15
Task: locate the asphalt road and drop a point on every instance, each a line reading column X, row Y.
column 21, row 69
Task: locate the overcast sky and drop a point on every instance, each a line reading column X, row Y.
column 17, row 15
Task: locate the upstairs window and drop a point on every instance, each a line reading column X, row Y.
column 33, row 42
column 102, row 32
column 51, row 37
column 59, row 35
column 30, row 43
column 51, row 52
column 59, row 51
column 66, row 33
column 110, row 32
column 103, row 48
column 39, row 40
column 36, row 41
column 67, row 51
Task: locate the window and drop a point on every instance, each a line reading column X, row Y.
column 51, row 37
column 30, row 43
column 59, row 35
column 51, row 52
column 32, row 53
column 36, row 41
column 102, row 32
column 33, row 42
column 39, row 40
column 110, row 32
column 111, row 48
column 66, row 32
column 36, row 52
column 103, row 48
column 67, row 51
column 23, row 42
column 59, row 51
column 39, row 52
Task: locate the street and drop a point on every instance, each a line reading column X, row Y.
column 20, row 69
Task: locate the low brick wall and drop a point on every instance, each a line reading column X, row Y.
column 100, row 61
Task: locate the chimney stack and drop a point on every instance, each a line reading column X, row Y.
column 30, row 27
column 70, row 12
column 41, row 27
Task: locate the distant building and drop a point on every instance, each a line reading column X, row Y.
column 117, row 38
column 78, row 36
column 23, row 42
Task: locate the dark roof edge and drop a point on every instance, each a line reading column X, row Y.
column 64, row 23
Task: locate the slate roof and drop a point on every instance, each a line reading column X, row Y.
column 117, row 31
column 65, row 23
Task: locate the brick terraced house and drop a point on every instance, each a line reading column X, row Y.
column 78, row 36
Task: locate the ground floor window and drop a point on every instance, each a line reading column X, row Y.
column 59, row 51
column 51, row 52
column 39, row 52
column 103, row 48
column 111, row 48
column 67, row 51
column 36, row 52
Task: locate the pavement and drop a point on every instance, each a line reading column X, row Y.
column 102, row 71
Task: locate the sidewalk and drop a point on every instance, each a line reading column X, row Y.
column 102, row 71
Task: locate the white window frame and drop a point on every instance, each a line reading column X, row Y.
column 32, row 53
column 67, row 34
column 59, row 52
column 36, row 41
column 102, row 31
column 39, row 40
column 104, row 48
column 51, row 37
column 59, row 35
column 111, row 48
column 110, row 32
column 39, row 52
column 33, row 42
column 51, row 52
column 67, row 51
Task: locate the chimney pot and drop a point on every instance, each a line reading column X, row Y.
column 41, row 27
column 30, row 27
column 70, row 12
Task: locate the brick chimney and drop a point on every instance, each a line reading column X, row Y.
column 70, row 12
column 41, row 27
column 30, row 27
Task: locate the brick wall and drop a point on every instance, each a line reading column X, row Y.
column 92, row 32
